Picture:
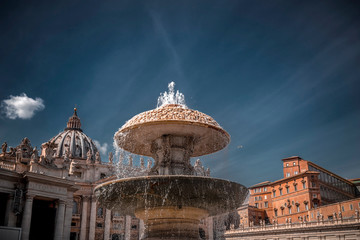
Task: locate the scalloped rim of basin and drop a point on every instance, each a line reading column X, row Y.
column 130, row 194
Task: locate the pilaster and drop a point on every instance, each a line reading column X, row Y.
column 10, row 217
column 26, row 220
column 83, row 231
column 59, row 222
column 68, row 218
column 92, row 219
column 127, row 227
column 107, row 224
column 141, row 229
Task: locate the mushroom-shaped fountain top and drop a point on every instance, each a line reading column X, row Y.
column 137, row 134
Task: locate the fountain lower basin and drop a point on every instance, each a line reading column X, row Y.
column 171, row 205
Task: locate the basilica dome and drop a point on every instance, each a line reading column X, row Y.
column 73, row 140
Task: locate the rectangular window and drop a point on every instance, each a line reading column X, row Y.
column 304, row 185
column 295, row 187
column 275, row 213
column 265, row 189
column 256, row 198
column 256, row 205
column 274, row 194
column 296, row 172
column 288, row 174
column 294, row 163
column 342, row 208
column 351, row 207
column 266, row 205
column 265, row 197
column 313, row 184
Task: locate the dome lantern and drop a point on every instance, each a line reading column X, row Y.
column 74, row 122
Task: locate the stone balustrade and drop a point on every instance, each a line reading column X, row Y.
column 296, row 225
column 8, row 166
column 318, row 228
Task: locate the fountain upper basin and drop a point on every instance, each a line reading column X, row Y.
column 138, row 134
column 140, row 193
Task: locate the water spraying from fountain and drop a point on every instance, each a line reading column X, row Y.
column 171, row 97
column 174, row 196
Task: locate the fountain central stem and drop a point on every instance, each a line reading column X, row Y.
column 172, row 155
column 170, row 223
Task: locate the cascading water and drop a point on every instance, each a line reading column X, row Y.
column 174, row 196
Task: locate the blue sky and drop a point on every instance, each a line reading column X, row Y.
column 282, row 77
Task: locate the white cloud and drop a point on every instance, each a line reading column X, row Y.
column 102, row 148
column 21, row 106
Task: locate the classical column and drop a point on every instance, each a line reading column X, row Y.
column 92, row 219
column 210, row 228
column 141, row 229
column 59, row 222
column 10, row 218
column 107, row 224
column 127, row 227
column 68, row 218
column 84, row 217
column 26, row 220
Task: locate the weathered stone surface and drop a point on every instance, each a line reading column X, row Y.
column 138, row 134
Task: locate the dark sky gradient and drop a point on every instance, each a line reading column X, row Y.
column 282, row 77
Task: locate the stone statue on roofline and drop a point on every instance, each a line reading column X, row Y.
column 111, row 158
column 18, row 155
column 4, row 147
column 35, row 155
column 97, row 157
column 199, row 169
column 149, row 163
column 12, row 152
column 142, row 162
column 207, row 173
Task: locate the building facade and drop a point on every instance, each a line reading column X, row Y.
column 309, row 198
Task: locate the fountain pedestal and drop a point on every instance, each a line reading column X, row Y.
column 172, row 155
column 174, row 222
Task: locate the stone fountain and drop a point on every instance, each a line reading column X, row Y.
column 170, row 199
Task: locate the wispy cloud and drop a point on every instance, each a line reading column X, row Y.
column 101, row 147
column 160, row 29
column 21, row 106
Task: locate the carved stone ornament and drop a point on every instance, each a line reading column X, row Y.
column 4, row 147
column 25, row 148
